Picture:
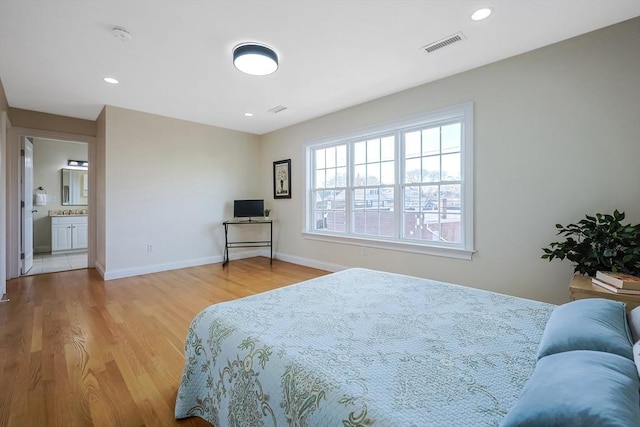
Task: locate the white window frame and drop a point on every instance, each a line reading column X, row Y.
column 464, row 249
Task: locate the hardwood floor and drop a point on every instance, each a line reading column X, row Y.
column 78, row 351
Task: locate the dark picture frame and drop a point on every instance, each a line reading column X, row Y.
column 282, row 179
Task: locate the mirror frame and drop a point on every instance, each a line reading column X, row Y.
column 67, row 194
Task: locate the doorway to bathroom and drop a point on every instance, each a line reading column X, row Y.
column 59, row 192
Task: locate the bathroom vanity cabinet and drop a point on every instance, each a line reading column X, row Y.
column 69, row 233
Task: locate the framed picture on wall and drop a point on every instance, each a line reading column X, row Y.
column 282, row 179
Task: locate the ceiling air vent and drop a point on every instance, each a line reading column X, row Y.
column 277, row 109
column 457, row 37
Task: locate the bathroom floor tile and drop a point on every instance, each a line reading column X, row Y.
column 51, row 263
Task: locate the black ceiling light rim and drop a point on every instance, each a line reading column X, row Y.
column 255, row 49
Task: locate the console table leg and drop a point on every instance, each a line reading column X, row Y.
column 225, row 258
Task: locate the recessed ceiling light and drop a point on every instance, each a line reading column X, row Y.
column 248, row 114
column 481, row 14
column 111, row 80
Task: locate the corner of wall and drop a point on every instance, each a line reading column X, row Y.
column 99, row 187
column 4, row 125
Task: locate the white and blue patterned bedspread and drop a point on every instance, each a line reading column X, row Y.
column 361, row 348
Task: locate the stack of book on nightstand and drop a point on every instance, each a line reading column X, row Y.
column 618, row 283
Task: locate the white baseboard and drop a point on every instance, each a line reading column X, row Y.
column 247, row 254
column 309, row 262
column 156, row 268
column 100, row 269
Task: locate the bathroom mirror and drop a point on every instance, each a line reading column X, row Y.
column 75, row 187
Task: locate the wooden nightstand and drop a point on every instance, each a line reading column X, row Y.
column 581, row 287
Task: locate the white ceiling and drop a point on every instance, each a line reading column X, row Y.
column 333, row 54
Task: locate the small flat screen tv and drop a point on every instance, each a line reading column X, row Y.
column 248, row 208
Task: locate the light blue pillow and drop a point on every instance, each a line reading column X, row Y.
column 579, row 388
column 587, row 324
column 633, row 318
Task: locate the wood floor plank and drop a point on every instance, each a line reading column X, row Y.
column 36, row 332
column 78, row 351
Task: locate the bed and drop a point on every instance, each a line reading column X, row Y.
column 360, row 348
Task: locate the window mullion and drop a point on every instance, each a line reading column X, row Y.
column 398, row 189
column 348, row 211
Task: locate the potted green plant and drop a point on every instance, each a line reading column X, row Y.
column 266, row 212
column 599, row 242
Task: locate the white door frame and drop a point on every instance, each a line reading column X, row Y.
column 26, row 205
column 13, row 191
column 4, row 131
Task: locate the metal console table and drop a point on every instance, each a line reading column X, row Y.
column 247, row 244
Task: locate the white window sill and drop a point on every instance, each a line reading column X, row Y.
column 448, row 252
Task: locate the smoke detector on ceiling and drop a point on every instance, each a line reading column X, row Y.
column 121, row 33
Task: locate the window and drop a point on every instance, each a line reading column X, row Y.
column 406, row 185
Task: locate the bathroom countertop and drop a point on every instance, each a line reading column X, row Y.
column 61, row 213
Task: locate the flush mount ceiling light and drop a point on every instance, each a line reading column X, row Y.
column 111, row 80
column 481, row 14
column 255, row 59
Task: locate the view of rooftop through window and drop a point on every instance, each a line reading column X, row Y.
column 402, row 185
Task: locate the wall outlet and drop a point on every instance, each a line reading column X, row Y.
column 149, row 247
